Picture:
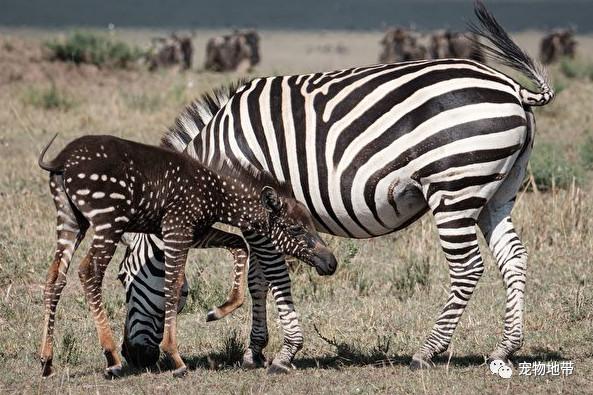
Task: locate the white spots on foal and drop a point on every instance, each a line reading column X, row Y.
column 116, row 196
column 122, row 183
column 104, row 177
column 122, row 219
column 81, row 175
column 102, row 227
column 92, row 213
column 98, row 195
column 94, row 177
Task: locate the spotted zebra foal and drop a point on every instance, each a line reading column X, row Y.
column 115, row 186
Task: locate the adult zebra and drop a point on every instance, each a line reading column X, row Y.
column 369, row 150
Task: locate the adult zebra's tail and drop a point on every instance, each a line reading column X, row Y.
column 196, row 116
column 507, row 52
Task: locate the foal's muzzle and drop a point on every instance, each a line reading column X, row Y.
column 324, row 261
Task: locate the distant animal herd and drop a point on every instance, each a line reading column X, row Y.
column 240, row 50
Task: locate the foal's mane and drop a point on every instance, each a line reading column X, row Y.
column 252, row 177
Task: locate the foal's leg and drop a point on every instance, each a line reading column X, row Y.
column 177, row 241
column 216, row 238
column 91, row 272
column 69, row 234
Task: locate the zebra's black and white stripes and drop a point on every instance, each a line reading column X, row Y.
column 371, row 149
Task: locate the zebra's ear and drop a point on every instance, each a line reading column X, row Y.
column 270, row 199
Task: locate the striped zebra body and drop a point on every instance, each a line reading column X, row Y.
column 369, row 150
column 381, row 134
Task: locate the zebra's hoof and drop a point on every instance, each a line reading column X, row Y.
column 180, row 372
column 420, row 363
column 113, row 372
column 280, row 367
column 253, row 361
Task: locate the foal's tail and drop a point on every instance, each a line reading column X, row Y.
column 51, row 167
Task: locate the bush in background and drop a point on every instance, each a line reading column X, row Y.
column 551, row 169
column 576, row 68
column 48, row 99
column 586, row 151
column 91, row 48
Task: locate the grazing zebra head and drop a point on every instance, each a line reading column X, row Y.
column 142, row 273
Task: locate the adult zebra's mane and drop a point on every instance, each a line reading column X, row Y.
column 197, row 115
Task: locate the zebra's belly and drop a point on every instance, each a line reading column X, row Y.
column 395, row 205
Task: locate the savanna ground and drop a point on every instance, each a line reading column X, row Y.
column 361, row 325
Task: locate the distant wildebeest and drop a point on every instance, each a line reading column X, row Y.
column 446, row 44
column 170, row 51
column 234, row 52
column 401, row 45
column 557, row 44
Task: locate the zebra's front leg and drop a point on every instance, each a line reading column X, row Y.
column 258, row 289
column 460, row 245
column 267, row 268
column 276, row 272
column 511, row 259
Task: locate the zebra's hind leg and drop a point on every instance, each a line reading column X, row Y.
column 70, row 231
column 460, row 244
column 511, row 259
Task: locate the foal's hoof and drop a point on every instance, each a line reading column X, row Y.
column 46, row 371
column 280, row 367
column 113, row 372
column 212, row 316
column 420, row 363
column 253, row 361
column 180, row 372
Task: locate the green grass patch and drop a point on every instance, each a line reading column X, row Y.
column 576, row 68
column 586, row 151
column 48, row 98
column 92, row 48
column 551, row 169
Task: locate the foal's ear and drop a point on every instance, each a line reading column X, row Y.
column 270, row 199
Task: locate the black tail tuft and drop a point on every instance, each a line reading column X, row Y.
column 507, row 52
column 48, row 166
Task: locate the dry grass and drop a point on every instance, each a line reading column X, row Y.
column 373, row 314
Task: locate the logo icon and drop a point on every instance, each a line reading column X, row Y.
column 499, row 367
